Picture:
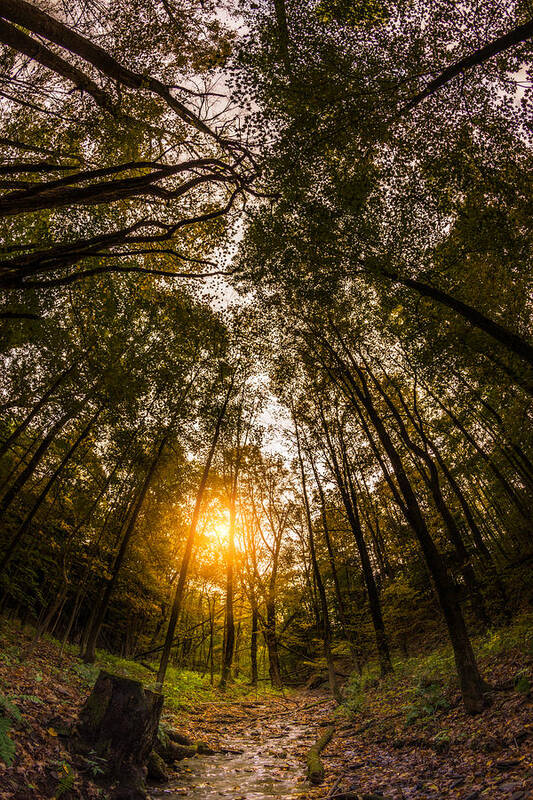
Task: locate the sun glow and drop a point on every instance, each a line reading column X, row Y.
column 217, row 526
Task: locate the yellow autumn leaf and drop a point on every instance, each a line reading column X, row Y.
column 52, row 732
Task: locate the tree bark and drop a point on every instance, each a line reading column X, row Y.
column 119, row 722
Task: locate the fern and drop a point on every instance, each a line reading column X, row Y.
column 30, row 698
column 9, row 713
column 9, row 709
column 95, row 765
column 162, row 736
column 66, row 781
column 88, row 672
column 522, row 683
column 7, row 745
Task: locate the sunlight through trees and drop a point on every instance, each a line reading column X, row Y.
column 265, row 320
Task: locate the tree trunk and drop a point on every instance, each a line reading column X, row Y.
column 512, row 38
column 253, row 642
column 346, row 629
column 432, row 480
column 467, row 669
column 229, row 642
column 325, row 620
column 510, row 341
column 508, row 488
column 35, row 410
column 44, row 624
column 349, row 499
column 34, row 461
column 24, row 527
column 271, row 641
column 89, row 651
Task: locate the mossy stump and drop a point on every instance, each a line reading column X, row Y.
column 119, row 723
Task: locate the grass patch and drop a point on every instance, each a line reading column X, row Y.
column 184, row 689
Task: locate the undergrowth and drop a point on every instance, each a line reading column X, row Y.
column 183, row 689
column 420, row 684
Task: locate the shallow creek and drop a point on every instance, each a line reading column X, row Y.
column 271, row 764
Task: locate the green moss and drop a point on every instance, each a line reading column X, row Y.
column 94, row 710
column 315, row 768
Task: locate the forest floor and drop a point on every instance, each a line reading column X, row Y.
column 403, row 737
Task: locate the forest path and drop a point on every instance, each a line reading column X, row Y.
column 443, row 755
column 261, row 749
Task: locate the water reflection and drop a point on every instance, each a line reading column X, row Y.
column 268, row 767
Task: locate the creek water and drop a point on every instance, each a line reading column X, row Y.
column 269, row 764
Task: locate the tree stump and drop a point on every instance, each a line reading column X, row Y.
column 119, row 723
